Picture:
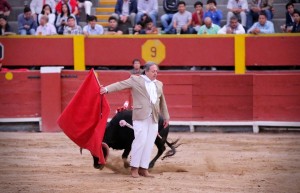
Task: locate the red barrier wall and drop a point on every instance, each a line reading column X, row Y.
column 272, row 51
column 37, row 51
column 20, row 96
column 199, row 96
column 179, row 51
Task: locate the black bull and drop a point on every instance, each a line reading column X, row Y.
column 120, row 138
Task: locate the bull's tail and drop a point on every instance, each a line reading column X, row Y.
column 173, row 145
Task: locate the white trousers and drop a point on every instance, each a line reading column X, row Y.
column 87, row 7
column 145, row 132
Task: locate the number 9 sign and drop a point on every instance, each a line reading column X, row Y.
column 153, row 50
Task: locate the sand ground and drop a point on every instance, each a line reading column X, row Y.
column 205, row 162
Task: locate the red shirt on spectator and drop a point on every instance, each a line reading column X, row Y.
column 72, row 3
column 4, row 6
column 195, row 18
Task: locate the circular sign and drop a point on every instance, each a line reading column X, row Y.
column 154, row 51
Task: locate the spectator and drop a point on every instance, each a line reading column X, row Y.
column 150, row 28
column 212, row 12
column 170, row 8
column 45, row 28
column 208, row 27
column 197, row 16
column 139, row 28
column 256, row 6
column 237, row 8
column 61, row 20
column 182, row 20
column 26, row 22
column 92, row 28
column 150, row 7
column 72, row 4
column 296, row 25
column 72, row 28
column 36, row 6
column 48, row 12
column 113, row 28
column 234, row 27
column 289, row 20
column 262, row 26
column 136, row 64
column 5, row 8
column 87, row 5
column 4, row 26
column 125, row 11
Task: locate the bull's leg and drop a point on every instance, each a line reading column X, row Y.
column 160, row 150
column 125, row 156
column 96, row 164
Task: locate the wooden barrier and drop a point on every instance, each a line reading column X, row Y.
column 166, row 50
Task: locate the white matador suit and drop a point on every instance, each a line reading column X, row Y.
column 148, row 103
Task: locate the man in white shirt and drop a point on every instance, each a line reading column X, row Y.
column 182, row 20
column 45, row 28
column 234, row 27
column 150, row 7
column 92, row 28
column 237, row 8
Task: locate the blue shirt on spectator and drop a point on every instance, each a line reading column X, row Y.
column 216, row 16
column 267, row 28
column 98, row 30
column 26, row 21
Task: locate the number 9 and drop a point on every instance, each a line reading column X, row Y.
column 153, row 52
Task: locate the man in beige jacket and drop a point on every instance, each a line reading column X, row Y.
column 148, row 103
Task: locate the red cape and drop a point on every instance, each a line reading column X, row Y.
column 84, row 119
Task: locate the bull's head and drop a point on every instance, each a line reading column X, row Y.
column 105, row 150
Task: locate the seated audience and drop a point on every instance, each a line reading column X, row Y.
column 149, row 7
column 234, row 27
column 87, row 5
column 197, row 16
column 150, row 28
column 72, row 4
column 26, row 22
column 72, row 28
column 263, row 26
column 113, row 28
column 182, row 20
column 170, row 8
column 45, row 28
column 61, row 20
column 289, row 21
column 237, row 8
column 4, row 26
column 296, row 25
column 5, row 8
column 209, row 27
column 92, row 28
column 212, row 12
column 257, row 6
column 48, row 12
column 136, row 64
column 125, row 11
column 36, row 6
column 139, row 28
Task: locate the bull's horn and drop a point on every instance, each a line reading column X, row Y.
column 105, row 150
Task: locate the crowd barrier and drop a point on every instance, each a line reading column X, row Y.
column 239, row 51
column 194, row 98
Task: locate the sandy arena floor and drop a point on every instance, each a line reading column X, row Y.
column 206, row 162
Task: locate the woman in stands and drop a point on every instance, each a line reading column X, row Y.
column 62, row 18
column 48, row 12
column 4, row 26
